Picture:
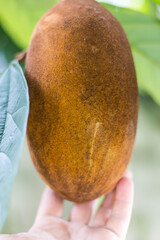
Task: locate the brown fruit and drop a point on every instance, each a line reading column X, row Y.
column 83, row 99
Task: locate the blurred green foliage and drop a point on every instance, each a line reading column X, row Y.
column 149, row 7
column 157, row 1
column 18, row 19
column 7, row 50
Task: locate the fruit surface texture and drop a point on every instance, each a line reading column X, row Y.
column 83, row 99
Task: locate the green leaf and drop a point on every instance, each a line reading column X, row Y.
column 7, row 50
column 143, row 33
column 14, row 107
column 19, row 18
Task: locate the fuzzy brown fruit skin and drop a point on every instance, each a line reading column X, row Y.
column 83, row 99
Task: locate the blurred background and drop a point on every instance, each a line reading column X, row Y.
column 140, row 20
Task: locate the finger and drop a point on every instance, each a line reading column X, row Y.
column 82, row 212
column 51, row 204
column 120, row 217
column 104, row 211
column 127, row 174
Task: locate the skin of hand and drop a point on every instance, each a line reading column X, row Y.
column 109, row 222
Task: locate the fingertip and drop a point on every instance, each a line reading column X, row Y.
column 125, row 189
column 128, row 174
column 126, row 182
column 50, row 192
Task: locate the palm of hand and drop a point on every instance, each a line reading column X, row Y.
column 109, row 223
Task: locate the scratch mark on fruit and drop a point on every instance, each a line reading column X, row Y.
column 92, row 146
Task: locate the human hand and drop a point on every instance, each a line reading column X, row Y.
column 110, row 222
